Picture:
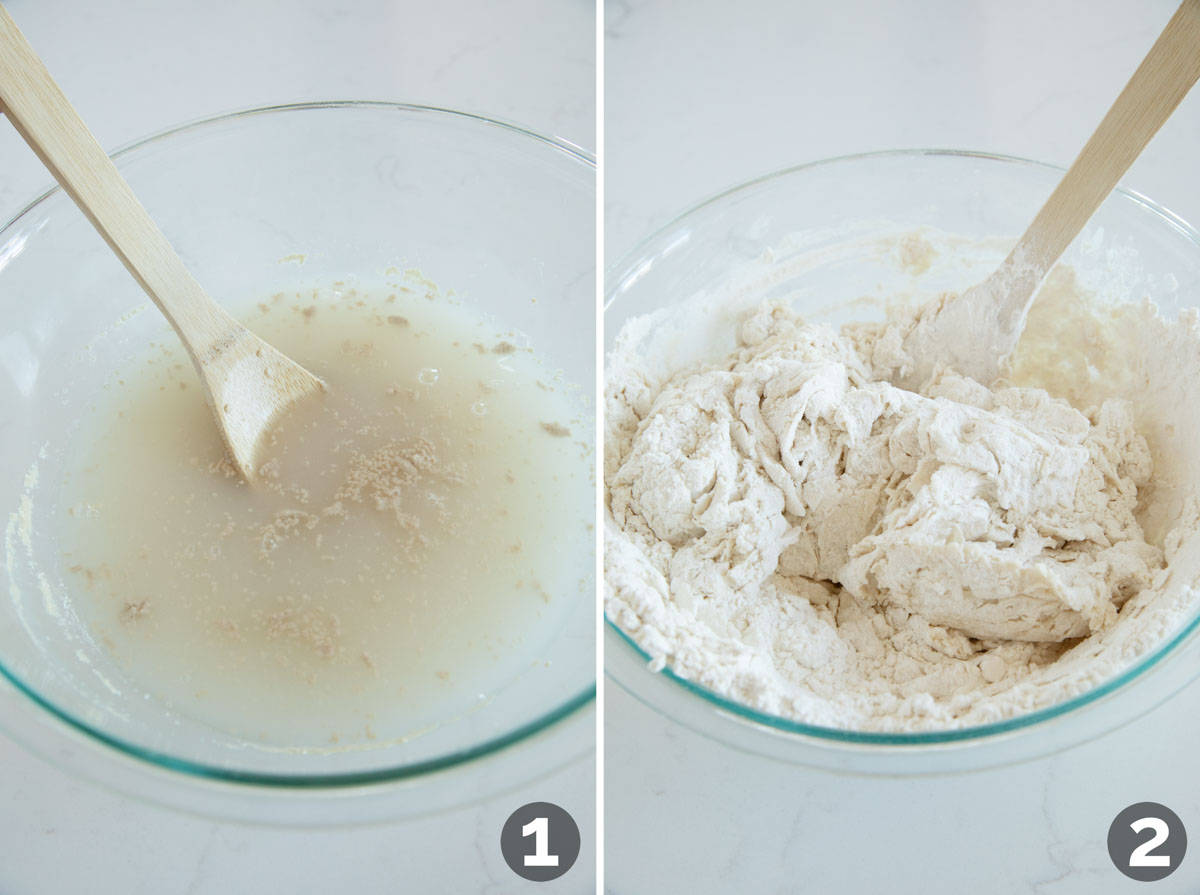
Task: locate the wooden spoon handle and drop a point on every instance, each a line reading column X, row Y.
column 1162, row 80
column 42, row 115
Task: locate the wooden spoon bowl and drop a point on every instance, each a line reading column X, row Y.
column 249, row 384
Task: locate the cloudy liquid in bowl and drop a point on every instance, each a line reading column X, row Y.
column 411, row 541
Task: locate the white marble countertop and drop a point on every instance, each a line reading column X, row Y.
column 133, row 68
column 704, row 94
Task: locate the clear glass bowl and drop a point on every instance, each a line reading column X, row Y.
column 502, row 216
column 823, row 236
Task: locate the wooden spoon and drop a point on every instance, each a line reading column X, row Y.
column 974, row 332
column 249, row 384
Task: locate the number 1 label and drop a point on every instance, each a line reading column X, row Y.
column 551, row 858
column 539, row 829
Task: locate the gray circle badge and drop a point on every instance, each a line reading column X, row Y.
column 540, row 841
column 1147, row 841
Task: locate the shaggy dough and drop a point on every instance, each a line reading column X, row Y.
column 1005, row 514
column 794, row 531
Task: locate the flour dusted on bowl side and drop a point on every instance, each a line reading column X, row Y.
column 791, row 530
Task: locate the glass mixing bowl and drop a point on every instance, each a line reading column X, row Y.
column 824, row 237
column 257, row 202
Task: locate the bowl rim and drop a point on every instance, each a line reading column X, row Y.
column 124, row 149
column 632, row 264
column 204, row 771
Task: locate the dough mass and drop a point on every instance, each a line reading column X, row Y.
column 792, row 530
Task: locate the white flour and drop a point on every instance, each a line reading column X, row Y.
column 792, row 531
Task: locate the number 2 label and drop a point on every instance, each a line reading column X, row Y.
column 1147, row 841
column 1142, row 856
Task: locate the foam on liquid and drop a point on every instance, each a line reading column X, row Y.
column 411, row 542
